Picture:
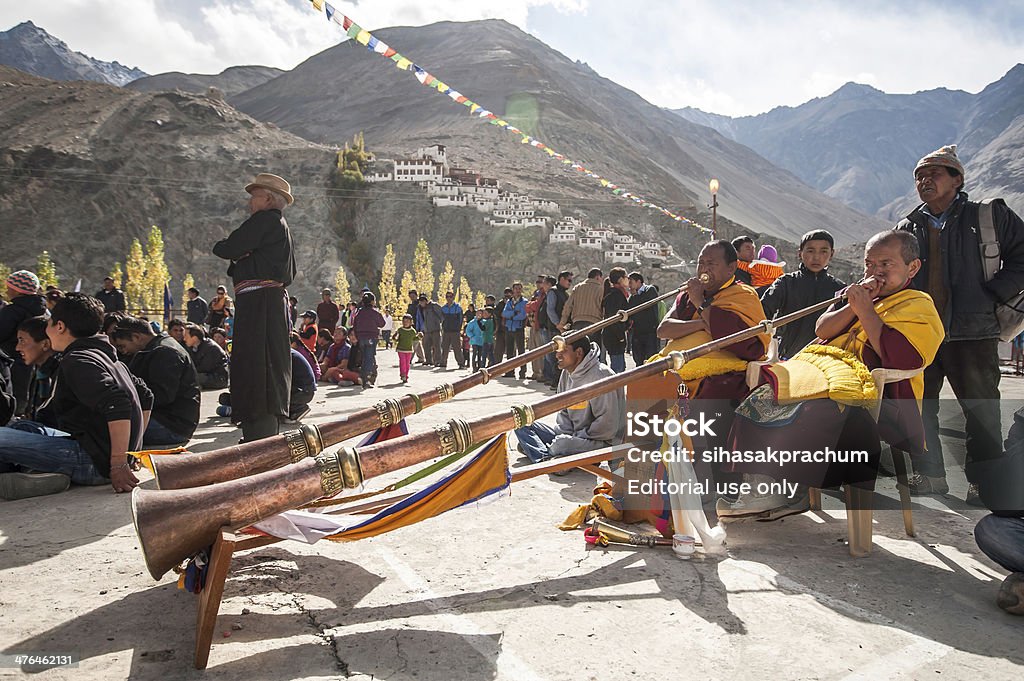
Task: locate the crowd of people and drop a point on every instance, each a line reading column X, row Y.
column 85, row 382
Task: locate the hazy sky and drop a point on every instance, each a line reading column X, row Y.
column 734, row 58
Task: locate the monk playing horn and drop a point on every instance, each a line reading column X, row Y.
column 714, row 305
column 825, row 398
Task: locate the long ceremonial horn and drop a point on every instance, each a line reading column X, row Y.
column 175, row 524
column 237, row 461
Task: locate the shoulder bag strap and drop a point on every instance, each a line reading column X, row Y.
column 989, row 243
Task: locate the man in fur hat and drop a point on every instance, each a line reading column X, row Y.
column 946, row 226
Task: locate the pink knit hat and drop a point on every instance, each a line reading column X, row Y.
column 24, row 282
column 768, row 253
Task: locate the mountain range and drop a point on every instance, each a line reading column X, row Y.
column 230, row 81
column 563, row 103
column 860, row 145
column 95, row 165
column 31, row 49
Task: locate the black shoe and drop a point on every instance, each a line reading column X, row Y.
column 921, row 485
column 973, row 496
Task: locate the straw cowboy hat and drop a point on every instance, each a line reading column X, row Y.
column 272, row 183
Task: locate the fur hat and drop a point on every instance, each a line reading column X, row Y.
column 945, row 156
column 24, row 282
column 273, row 183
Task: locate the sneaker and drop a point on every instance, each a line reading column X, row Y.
column 405, row 379
column 921, row 485
column 973, row 497
column 24, row 485
column 748, row 505
column 1011, row 594
column 800, row 504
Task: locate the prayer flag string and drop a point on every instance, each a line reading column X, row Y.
column 373, row 44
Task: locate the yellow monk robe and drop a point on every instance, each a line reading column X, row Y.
column 733, row 308
column 911, row 336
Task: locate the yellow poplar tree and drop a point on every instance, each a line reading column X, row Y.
column 341, row 292
column 46, row 271
column 5, row 272
column 408, row 284
column 186, row 284
column 117, row 275
column 135, row 272
column 464, row 295
column 423, row 268
column 446, row 280
column 388, row 295
column 481, row 300
column 156, row 275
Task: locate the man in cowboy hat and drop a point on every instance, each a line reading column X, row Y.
column 946, row 226
column 262, row 265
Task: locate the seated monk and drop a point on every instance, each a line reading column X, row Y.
column 821, row 398
column 715, row 383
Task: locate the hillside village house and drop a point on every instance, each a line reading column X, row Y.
column 451, row 186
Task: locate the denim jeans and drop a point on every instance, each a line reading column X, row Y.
column 540, row 442
column 617, row 362
column 158, row 435
column 31, row 445
column 369, row 351
column 1002, row 540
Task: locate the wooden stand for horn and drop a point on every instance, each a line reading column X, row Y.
column 175, row 524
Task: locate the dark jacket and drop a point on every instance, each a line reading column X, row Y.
column 414, row 310
column 452, row 319
column 113, row 301
column 92, row 389
column 197, row 310
column 555, row 303
column 367, row 324
column 261, row 248
column 14, row 313
column 431, row 316
column 167, row 370
column 40, row 390
column 645, row 322
column 969, row 313
column 7, row 401
column 792, row 292
column 209, row 358
column 327, row 315
column 614, row 336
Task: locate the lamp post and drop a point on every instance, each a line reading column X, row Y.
column 713, row 186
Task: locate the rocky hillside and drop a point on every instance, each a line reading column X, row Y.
column 346, row 89
column 230, row 81
column 85, row 168
column 860, row 145
column 31, row 49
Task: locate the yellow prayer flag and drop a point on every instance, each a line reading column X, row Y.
column 319, row 4
column 363, row 37
column 403, row 64
column 473, row 108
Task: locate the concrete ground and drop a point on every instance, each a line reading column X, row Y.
column 499, row 592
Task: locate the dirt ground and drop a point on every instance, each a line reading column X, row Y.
column 498, row 592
